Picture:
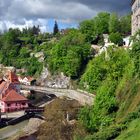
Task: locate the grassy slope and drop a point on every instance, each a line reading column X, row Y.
column 132, row 132
column 129, row 98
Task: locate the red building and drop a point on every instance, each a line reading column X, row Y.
column 10, row 97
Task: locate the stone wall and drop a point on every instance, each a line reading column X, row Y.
column 135, row 16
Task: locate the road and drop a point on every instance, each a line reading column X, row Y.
column 81, row 96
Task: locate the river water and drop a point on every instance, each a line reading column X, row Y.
column 11, row 130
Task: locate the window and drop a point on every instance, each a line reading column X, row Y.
column 8, row 105
column 23, row 104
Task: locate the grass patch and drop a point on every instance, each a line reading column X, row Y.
column 133, row 131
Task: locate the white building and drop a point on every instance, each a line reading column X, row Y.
column 26, row 80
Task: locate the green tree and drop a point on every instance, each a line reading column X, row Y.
column 101, row 23
column 55, row 29
column 70, row 54
column 114, row 24
column 102, row 77
column 125, row 25
column 88, row 29
column 94, row 75
column 136, row 57
column 116, row 38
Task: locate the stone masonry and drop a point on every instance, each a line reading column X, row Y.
column 135, row 16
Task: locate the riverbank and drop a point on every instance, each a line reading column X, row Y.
column 60, row 121
column 11, row 130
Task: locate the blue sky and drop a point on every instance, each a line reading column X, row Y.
column 68, row 13
column 61, row 25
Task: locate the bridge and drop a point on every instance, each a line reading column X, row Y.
column 81, row 96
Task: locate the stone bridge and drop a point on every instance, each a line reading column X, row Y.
column 81, row 96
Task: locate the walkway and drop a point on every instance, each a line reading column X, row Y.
column 82, row 97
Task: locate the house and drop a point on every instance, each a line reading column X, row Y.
column 135, row 16
column 27, row 80
column 10, row 96
column 127, row 43
column 13, row 101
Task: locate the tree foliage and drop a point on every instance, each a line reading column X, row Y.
column 114, row 24
column 105, row 23
column 55, row 29
column 69, row 54
column 101, row 23
column 116, row 38
column 102, row 77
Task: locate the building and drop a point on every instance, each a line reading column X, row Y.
column 27, row 80
column 10, row 96
column 135, row 16
column 13, row 101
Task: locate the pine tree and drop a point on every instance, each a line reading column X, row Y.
column 55, row 29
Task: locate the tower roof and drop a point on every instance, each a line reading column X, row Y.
column 12, row 77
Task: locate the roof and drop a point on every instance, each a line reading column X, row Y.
column 13, row 96
column 12, row 77
column 27, row 77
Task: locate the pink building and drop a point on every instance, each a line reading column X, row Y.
column 13, row 101
column 10, row 96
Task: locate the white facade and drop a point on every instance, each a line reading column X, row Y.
column 24, row 81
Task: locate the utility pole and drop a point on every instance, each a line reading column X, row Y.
column 67, row 118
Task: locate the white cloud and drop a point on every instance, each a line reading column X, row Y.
column 27, row 23
column 21, row 13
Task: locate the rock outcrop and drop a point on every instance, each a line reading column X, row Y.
column 53, row 81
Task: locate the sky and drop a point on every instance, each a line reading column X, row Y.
column 68, row 13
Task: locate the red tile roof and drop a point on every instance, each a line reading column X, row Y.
column 13, row 96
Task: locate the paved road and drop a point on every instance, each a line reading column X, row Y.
column 13, row 114
column 82, row 97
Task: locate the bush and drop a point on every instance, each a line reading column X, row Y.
column 116, row 38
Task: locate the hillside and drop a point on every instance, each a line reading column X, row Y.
column 115, row 81
column 113, row 75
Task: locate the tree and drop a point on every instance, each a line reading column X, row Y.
column 136, row 57
column 103, row 77
column 101, row 23
column 95, row 27
column 70, row 54
column 55, row 29
column 87, row 28
column 35, row 30
column 114, row 24
column 116, row 38
column 125, row 25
